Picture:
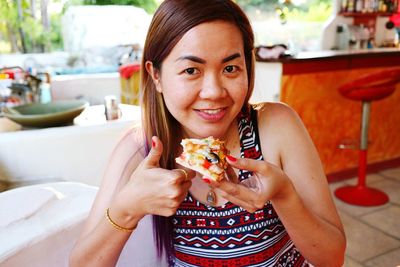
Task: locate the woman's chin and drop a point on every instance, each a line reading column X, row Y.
column 204, row 133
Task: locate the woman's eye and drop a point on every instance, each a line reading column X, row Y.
column 230, row 69
column 190, row 71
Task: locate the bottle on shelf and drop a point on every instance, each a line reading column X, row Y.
column 343, row 6
column 342, row 37
column 369, row 6
column 358, row 5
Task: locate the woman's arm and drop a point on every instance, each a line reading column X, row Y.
column 296, row 185
column 306, row 209
column 133, row 186
column 98, row 237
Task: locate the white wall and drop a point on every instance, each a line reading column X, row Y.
column 105, row 26
column 91, row 87
column 329, row 31
column 42, row 60
column 383, row 34
column 74, row 153
column 267, row 84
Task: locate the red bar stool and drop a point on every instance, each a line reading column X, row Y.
column 368, row 88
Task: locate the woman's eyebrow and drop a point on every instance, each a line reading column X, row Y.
column 192, row 58
column 231, row 57
column 202, row 61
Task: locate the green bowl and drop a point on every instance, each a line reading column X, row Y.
column 56, row 113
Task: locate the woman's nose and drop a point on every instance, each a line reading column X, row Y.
column 212, row 87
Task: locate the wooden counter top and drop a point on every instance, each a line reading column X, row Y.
column 318, row 61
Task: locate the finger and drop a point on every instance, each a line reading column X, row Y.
column 191, row 173
column 244, row 197
column 185, row 174
column 253, row 183
column 236, row 201
column 253, row 165
column 238, row 191
column 185, row 186
column 153, row 158
column 231, row 175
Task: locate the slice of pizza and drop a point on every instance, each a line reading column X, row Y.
column 206, row 156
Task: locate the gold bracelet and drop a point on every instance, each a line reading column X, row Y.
column 116, row 226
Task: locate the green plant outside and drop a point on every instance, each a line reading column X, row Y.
column 35, row 38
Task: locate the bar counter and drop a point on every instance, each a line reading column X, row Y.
column 309, row 85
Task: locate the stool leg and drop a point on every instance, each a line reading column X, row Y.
column 362, row 161
column 362, row 167
column 361, row 194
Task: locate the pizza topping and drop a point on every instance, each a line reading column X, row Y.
column 206, row 156
column 212, row 157
column 206, row 164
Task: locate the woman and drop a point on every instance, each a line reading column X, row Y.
column 276, row 208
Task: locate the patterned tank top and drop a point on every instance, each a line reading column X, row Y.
column 229, row 235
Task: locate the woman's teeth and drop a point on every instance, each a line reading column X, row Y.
column 212, row 111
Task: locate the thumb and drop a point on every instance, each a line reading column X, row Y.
column 153, row 158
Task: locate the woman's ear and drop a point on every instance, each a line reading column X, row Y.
column 154, row 74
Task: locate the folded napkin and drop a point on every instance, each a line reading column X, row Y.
column 271, row 52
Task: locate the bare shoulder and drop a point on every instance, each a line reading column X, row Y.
column 277, row 112
column 283, row 128
column 279, row 121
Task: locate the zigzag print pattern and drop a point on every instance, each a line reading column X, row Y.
column 229, row 235
column 232, row 241
column 249, row 141
column 209, row 214
column 242, row 229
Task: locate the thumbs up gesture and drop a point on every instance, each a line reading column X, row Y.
column 155, row 190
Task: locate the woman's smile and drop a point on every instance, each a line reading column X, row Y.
column 211, row 115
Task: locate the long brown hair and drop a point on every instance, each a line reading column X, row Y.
column 170, row 22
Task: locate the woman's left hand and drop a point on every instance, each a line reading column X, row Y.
column 268, row 182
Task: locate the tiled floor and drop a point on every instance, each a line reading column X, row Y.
column 373, row 233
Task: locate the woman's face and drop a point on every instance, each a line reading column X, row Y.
column 204, row 79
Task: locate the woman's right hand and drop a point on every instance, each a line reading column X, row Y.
column 154, row 190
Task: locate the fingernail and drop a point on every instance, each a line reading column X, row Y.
column 231, row 158
column 153, row 144
column 206, row 180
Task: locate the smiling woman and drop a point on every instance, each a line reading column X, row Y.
column 273, row 206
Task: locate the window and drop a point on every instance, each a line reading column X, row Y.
column 296, row 23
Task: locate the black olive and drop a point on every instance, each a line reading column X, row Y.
column 212, row 158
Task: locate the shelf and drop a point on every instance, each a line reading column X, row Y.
column 366, row 14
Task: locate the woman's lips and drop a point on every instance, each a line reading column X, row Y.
column 211, row 115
